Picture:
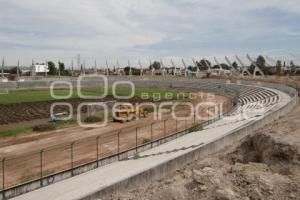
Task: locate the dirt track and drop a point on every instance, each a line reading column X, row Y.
column 25, row 165
column 20, row 112
column 265, row 165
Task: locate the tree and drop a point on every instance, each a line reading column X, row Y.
column 293, row 67
column 260, row 61
column 235, row 65
column 14, row 70
column 61, row 67
column 278, row 67
column 52, row 68
column 203, row 64
column 156, row 65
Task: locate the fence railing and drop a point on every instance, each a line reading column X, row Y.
column 36, row 166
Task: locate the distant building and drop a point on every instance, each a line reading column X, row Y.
column 40, row 69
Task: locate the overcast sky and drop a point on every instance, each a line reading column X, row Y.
column 143, row 29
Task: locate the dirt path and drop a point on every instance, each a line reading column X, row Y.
column 265, row 165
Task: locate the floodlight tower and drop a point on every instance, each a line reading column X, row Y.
column 130, row 70
column 107, row 68
column 141, row 69
column 95, row 67
column 230, row 64
column 2, row 70
column 185, row 67
column 18, row 67
column 118, row 68
column 46, row 68
column 72, row 68
column 162, row 66
column 244, row 67
column 78, row 62
column 175, row 68
column 197, row 69
column 152, row 68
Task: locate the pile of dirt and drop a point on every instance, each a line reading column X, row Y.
column 259, row 168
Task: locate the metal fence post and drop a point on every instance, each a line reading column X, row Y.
column 72, row 158
column 119, row 145
column 165, row 130
column 152, row 134
column 41, row 165
column 136, row 139
column 176, row 123
column 194, row 117
column 97, row 149
column 185, row 125
column 3, row 178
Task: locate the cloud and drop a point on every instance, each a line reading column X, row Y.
column 133, row 29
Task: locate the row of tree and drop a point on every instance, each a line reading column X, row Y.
column 204, row 64
column 61, row 70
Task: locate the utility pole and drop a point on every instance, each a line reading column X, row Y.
column 2, row 68
column 18, row 67
column 162, row 67
column 72, row 68
column 107, row 72
column 32, row 68
column 185, row 68
column 95, row 69
column 83, row 66
column 46, row 68
column 58, row 68
column 141, row 70
column 130, row 71
column 152, row 68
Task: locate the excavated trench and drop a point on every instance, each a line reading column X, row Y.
column 260, row 148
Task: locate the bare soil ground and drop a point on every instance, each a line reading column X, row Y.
column 29, row 111
column 23, row 153
column 265, row 165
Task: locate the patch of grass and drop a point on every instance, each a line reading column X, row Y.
column 136, row 156
column 93, row 119
column 196, row 127
column 44, row 127
column 29, row 129
column 17, row 96
column 15, row 131
column 146, row 140
column 64, row 124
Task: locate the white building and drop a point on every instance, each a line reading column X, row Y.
column 40, row 69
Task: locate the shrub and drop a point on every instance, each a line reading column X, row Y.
column 92, row 119
column 146, row 140
column 196, row 127
column 43, row 127
column 136, row 156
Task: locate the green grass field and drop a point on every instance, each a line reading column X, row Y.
column 17, row 96
column 37, row 95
